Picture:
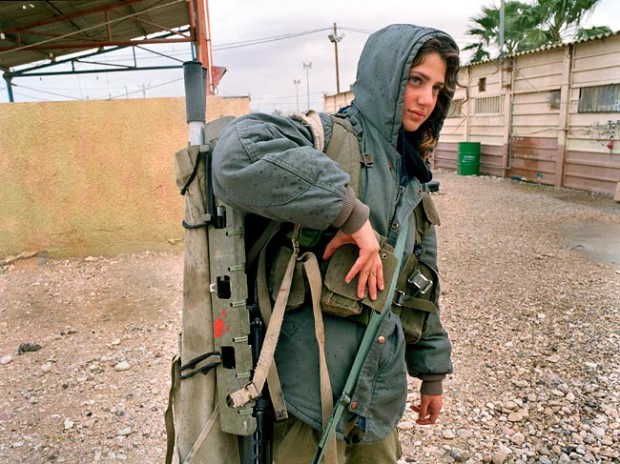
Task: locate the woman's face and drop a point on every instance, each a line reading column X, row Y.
column 425, row 82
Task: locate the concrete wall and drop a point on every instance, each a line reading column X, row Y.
column 97, row 177
column 539, row 134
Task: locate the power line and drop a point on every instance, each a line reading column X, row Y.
column 361, row 31
column 149, row 88
column 45, row 92
column 30, row 96
column 247, row 43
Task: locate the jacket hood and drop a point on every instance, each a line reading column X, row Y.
column 382, row 74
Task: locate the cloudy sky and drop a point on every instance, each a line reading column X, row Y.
column 267, row 71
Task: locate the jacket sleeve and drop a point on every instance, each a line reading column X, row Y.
column 430, row 358
column 267, row 165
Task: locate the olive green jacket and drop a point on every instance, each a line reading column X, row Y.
column 266, row 165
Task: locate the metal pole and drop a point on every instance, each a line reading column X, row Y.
column 195, row 100
column 502, row 25
column 9, row 87
column 308, row 67
column 297, row 82
column 335, row 38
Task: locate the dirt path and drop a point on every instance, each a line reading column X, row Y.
column 534, row 321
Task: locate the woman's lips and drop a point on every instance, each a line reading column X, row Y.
column 416, row 115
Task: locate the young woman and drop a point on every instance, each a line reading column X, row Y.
column 267, row 166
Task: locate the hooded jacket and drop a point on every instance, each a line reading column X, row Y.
column 266, row 165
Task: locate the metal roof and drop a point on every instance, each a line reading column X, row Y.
column 548, row 47
column 32, row 31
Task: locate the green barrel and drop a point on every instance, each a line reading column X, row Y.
column 468, row 159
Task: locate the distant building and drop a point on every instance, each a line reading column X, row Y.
column 332, row 103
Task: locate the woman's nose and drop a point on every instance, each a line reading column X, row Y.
column 427, row 96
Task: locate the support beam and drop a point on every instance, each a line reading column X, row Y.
column 9, row 87
column 202, row 40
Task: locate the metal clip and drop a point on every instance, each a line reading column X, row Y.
column 399, row 296
column 419, row 281
column 368, row 160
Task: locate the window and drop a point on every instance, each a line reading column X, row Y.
column 482, row 84
column 600, row 99
column 455, row 108
column 554, row 100
column 489, row 105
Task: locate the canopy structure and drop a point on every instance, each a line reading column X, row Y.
column 37, row 36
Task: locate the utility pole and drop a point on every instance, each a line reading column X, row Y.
column 335, row 38
column 308, row 67
column 502, row 26
column 144, row 87
column 297, row 82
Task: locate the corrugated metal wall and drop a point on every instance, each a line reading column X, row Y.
column 539, row 133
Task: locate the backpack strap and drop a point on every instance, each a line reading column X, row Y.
column 313, row 274
column 344, row 149
column 343, row 146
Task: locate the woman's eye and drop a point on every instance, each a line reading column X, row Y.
column 414, row 80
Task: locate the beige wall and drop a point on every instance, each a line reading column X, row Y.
column 79, row 178
column 332, row 103
column 536, row 136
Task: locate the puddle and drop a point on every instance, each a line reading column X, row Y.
column 598, row 241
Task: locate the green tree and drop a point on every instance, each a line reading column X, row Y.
column 486, row 29
column 531, row 25
column 560, row 20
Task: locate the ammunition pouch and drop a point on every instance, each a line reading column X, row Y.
column 415, row 296
column 417, row 288
column 339, row 298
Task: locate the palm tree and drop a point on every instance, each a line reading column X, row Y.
column 487, row 29
column 529, row 26
column 560, row 20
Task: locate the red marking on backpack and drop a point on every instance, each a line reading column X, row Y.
column 220, row 326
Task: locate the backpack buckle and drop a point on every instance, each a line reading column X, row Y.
column 420, row 282
column 368, row 160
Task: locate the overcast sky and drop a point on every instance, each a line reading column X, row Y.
column 267, row 72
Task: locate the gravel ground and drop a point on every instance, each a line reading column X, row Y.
column 533, row 317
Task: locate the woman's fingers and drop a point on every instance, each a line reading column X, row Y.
column 368, row 265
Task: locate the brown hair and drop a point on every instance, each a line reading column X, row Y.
column 450, row 54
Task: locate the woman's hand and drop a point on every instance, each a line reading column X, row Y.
column 368, row 264
column 429, row 409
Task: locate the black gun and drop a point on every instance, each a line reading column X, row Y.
column 257, row 448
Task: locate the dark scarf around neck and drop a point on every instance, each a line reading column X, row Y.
column 412, row 162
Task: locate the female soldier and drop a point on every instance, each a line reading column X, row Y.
column 268, row 166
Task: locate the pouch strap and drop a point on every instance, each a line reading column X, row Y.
column 368, row 339
column 270, row 231
column 175, row 384
column 169, row 418
column 264, row 304
column 417, row 303
column 253, row 389
column 313, row 274
column 204, row 433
